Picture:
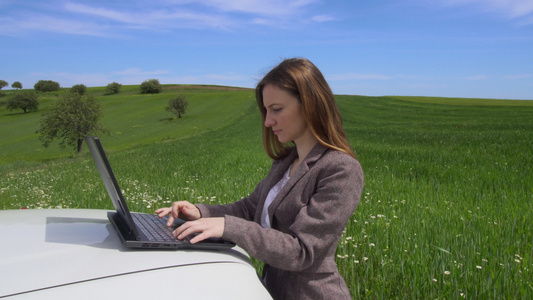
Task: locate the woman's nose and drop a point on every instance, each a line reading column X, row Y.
column 269, row 122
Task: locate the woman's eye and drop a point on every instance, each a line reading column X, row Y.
column 276, row 109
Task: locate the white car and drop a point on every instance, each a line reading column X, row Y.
column 76, row 254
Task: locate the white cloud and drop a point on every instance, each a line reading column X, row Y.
column 510, row 8
column 518, row 76
column 323, row 18
column 259, row 7
column 101, row 12
column 156, row 18
column 477, row 77
column 139, row 72
column 354, row 76
column 54, row 24
column 137, row 76
column 111, row 19
column 68, row 79
column 224, row 77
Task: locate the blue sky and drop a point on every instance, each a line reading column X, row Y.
column 448, row 48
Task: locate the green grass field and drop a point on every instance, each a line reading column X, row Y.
column 446, row 211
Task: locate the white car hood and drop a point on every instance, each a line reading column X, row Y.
column 52, row 248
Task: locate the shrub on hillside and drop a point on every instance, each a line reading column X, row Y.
column 80, row 89
column 70, row 119
column 151, row 86
column 46, row 86
column 16, row 85
column 178, row 105
column 113, row 87
column 27, row 101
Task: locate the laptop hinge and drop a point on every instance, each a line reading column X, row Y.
column 119, row 224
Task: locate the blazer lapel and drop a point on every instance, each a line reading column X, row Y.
column 304, row 167
column 275, row 174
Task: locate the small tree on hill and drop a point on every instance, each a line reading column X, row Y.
column 151, row 86
column 70, row 119
column 27, row 101
column 16, row 85
column 46, row 86
column 3, row 84
column 113, row 87
column 178, row 105
column 79, row 89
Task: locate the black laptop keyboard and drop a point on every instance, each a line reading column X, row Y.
column 153, row 227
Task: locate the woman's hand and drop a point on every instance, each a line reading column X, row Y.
column 204, row 228
column 180, row 209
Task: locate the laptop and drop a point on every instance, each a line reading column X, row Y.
column 140, row 230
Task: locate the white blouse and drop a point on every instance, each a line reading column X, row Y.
column 274, row 191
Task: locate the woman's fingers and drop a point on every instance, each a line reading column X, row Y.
column 185, row 210
column 164, row 211
column 175, row 210
column 204, row 228
column 180, row 209
column 191, row 212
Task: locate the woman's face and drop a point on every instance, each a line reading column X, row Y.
column 284, row 115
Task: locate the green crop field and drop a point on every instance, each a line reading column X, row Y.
column 446, row 210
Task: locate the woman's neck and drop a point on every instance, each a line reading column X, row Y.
column 304, row 146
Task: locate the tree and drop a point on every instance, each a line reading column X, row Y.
column 46, row 86
column 79, row 89
column 27, row 101
column 178, row 105
column 16, row 85
column 70, row 119
column 113, row 87
column 151, row 86
column 3, row 84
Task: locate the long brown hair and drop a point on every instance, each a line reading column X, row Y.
column 303, row 79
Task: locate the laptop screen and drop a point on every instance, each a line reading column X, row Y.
column 111, row 184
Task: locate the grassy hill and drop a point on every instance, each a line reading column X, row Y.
column 132, row 118
column 446, row 211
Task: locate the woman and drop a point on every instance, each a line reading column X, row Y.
column 295, row 217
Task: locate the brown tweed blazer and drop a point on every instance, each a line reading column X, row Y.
column 307, row 217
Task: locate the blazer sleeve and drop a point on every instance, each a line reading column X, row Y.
column 312, row 237
column 245, row 208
